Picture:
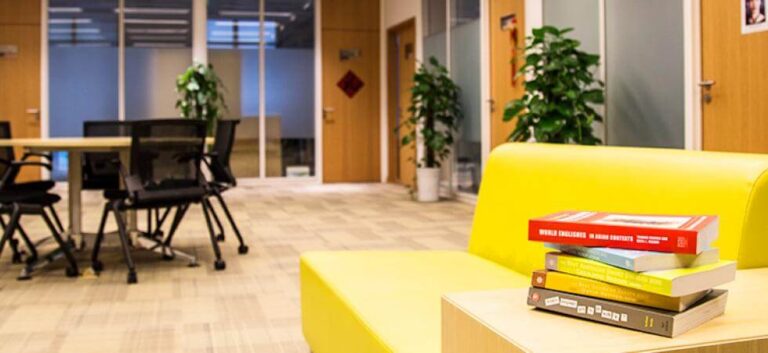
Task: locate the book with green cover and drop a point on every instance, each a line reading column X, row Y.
column 673, row 283
column 564, row 282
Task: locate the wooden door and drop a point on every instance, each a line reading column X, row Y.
column 507, row 36
column 736, row 118
column 351, row 114
column 401, row 66
column 20, row 71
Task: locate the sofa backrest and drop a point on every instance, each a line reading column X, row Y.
column 524, row 181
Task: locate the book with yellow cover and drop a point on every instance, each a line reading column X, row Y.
column 568, row 283
column 672, row 283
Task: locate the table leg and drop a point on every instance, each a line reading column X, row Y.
column 75, row 201
column 133, row 224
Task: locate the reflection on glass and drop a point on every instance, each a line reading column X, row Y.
column 465, row 70
column 158, row 41
column 83, row 68
column 435, row 29
column 289, row 78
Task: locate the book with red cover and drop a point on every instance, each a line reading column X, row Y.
column 670, row 234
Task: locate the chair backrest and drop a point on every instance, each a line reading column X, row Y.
column 7, row 155
column 523, row 181
column 99, row 171
column 167, row 153
column 222, row 148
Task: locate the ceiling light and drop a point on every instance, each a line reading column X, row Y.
column 306, row 6
column 164, row 38
column 157, row 30
column 283, row 14
column 85, row 44
column 70, row 36
column 232, row 34
column 147, row 21
column 158, row 45
column 154, row 11
column 58, row 21
column 65, row 9
column 74, row 30
column 267, row 24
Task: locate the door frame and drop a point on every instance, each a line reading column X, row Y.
column 392, row 142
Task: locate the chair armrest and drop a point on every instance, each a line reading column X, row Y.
column 132, row 182
column 45, row 156
column 14, row 167
column 20, row 164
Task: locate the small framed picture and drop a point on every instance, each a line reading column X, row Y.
column 753, row 16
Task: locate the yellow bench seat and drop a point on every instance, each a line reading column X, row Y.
column 388, row 301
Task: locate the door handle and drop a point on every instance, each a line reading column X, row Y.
column 328, row 114
column 706, row 86
column 35, row 113
column 492, row 104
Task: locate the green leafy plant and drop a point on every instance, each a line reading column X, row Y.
column 200, row 94
column 436, row 111
column 560, row 92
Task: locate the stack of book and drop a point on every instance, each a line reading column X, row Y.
column 649, row 273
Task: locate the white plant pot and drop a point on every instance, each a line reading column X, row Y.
column 428, row 184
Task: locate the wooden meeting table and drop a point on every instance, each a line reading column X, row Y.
column 75, row 147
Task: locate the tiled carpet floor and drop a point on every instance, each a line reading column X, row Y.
column 253, row 306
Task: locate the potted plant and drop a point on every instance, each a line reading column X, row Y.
column 560, row 91
column 435, row 113
column 200, row 95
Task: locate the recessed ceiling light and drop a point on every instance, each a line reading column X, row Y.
column 154, row 11
column 158, row 45
column 162, row 38
column 56, row 21
column 147, row 21
column 283, row 14
column 74, row 30
column 65, row 9
column 157, row 30
column 306, row 6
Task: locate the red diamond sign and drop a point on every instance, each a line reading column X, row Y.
column 350, row 84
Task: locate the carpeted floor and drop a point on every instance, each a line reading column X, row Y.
column 253, row 306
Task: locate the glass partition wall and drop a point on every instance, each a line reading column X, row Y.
column 452, row 36
column 264, row 56
column 83, row 68
column 269, row 82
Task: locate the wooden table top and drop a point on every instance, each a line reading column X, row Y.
column 72, row 143
column 505, row 312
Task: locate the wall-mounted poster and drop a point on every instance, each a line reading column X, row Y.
column 753, row 16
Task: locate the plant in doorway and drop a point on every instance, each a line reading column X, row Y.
column 560, row 92
column 435, row 113
column 201, row 96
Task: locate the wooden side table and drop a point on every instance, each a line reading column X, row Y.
column 501, row 322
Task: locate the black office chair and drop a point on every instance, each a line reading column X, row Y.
column 222, row 177
column 9, row 176
column 18, row 202
column 166, row 156
column 99, row 171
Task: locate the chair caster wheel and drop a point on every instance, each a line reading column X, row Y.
column 31, row 260
column 72, row 272
column 167, row 257
column 16, row 259
column 219, row 265
column 242, row 249
column 220, row 237
column 97, row 266
column 132, row 278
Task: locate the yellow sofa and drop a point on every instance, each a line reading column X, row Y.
column 372, row 302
